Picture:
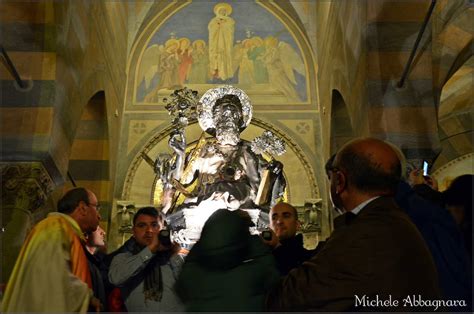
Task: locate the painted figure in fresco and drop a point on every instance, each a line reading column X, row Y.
column 281, row 59
column 249, row 57
column 236, row 56
column 221, row 41
column 169, row 62
column 256, row 54
column 246, row 66
column 148, row 73
column 168, row 66
column 185, row 59
column 224, row 168
column 200, row 63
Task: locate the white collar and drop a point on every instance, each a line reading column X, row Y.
column 359, row 207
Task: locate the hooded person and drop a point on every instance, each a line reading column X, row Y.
column 228, row 269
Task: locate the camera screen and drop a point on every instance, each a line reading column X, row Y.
column 267, row 235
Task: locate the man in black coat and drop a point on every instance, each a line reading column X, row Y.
column 377, row 260
column 287, row 246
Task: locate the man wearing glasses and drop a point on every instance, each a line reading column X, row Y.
column 51, row 273
column 376, row 260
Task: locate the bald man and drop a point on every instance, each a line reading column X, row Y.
column 377, row 259
column 51, row 274
column 287, row 246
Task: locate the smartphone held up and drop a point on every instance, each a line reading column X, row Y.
column 425, row 168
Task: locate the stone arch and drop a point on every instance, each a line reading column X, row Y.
column 454, row 168
column 455, row 116
column 341, row 124
column 89, row 159
column 158, row 143
column 452, row 40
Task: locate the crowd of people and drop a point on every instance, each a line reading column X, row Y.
column 397, row 245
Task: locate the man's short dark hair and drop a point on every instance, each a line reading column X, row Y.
column 71, row 200
column 287, row 205
column 329, row 165
column 366, row 174
column 149, row 211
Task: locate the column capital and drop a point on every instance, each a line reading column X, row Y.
column 25, row 185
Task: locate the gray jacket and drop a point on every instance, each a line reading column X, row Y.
column 127, row 272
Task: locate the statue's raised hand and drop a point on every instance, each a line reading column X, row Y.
column 177, row 142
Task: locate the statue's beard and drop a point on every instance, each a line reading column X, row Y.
column 228, row 134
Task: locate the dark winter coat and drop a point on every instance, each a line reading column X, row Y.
column 376, row 253
column 291, row 254
column 227, row 270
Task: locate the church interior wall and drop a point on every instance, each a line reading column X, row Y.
column 59, row 51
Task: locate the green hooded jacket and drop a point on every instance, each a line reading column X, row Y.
column 227, row 270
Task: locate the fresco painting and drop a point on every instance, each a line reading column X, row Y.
column 214, row 42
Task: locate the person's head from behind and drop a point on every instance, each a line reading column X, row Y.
column 224, row 239
column 362, row 169
column 82, row 205
column 458, row 198
column 147, row 223
column 284, row 220
column 227, row 116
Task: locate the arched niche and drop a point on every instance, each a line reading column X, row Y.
column 139, row 183
column 140, row 178
column 89, row 159
column 135, row 177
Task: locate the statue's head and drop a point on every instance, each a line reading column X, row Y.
column 224, row 109
column 227, row 116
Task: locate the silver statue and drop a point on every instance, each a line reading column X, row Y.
column 225, row 168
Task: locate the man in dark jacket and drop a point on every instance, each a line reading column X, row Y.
column 444, row 240
column 146, row 268
column 377, row 260
column 287, row 246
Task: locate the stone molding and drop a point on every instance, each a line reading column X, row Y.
column 25, row 185
column 452, row 163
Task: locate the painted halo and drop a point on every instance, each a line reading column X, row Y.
column 208, row 101
column 227, row 7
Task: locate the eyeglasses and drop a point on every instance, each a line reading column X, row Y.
column 97, row 206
